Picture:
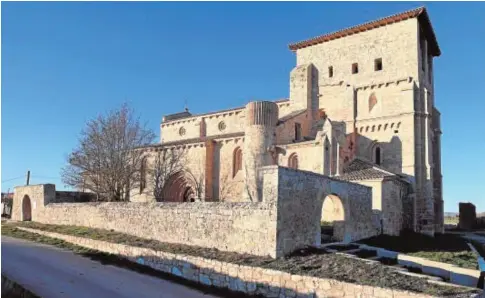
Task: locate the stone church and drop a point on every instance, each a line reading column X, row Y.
column 361, row 108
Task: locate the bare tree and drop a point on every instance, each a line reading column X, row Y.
column 226, row 186
column 166, row 164
column 108, row 158
column 197, row 180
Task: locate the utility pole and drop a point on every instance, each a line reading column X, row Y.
column 28, row 177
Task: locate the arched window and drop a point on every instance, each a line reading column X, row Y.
column 143, row 174
column 236, row 161
column 293, row 161
column 377, row 155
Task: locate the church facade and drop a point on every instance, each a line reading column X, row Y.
column 361, row 108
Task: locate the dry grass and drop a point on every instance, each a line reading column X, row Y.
column 445, row 248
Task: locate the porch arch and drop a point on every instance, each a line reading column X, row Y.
column 179, row 188
column 333, row 217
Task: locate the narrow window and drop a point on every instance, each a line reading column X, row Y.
column 378, row 156
column 355, row 68
column 378, row 64
column 293, row 161
column 237, row 161
column 372, row 101
column 330, row 71
column 297, row 131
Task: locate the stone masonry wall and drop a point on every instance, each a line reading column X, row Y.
column 239, row 227
column 38, row 195
column 250, row 280
column 300, row 197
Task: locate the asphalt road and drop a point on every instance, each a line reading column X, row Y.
column 51, row 272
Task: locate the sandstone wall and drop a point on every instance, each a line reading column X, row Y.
column 37, row 196
column 229, row 182
column 300, row 197
column 285, row 132
column 310, row 156
column 239, row 227
column 218, row 123
column 396, row 44
column 387, row 204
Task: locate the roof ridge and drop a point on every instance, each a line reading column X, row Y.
column 363, row 24
column 411, row 13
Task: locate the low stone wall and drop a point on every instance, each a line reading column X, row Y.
column 286, row 216
column 239, row 227
column 250, row 280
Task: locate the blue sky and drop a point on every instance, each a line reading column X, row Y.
column 62, row 63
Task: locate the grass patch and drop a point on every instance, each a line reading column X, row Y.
column 310, row 262
column 480, row 247
column 446, row 248
column 464, row 259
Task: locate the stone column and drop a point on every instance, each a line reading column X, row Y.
column 260, row 135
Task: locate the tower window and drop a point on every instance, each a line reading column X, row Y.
column 377, row 154
column 330, row 71
column 355, row 68
column 297, row 131
column 378, row 64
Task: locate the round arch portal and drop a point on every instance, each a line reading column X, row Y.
column 26, row 209
column 178, row 189
column 333, row 217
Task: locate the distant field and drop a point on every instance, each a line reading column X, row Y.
column 451, row 220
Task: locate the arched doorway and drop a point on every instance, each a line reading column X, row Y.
column 189, row 195
column 333, row 218
column 178, row 189
column 26, row 209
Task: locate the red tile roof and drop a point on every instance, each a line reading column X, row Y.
column 419, row 13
